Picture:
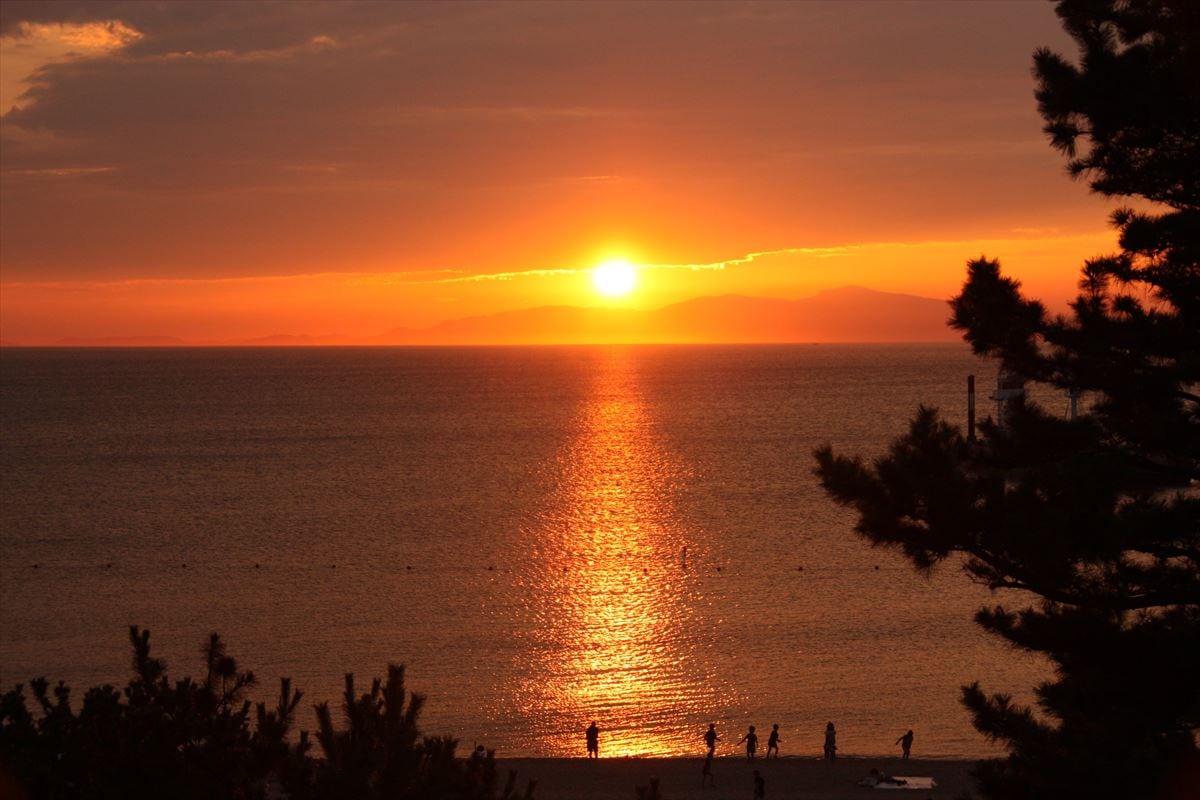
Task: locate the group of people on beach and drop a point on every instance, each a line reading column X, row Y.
column 710, row 737
column 751, row 741
column 592, row 735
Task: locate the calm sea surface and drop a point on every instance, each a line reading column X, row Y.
column 509, row 523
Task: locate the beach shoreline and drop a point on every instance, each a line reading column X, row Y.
column 679, row 778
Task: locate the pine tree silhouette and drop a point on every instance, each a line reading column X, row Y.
column 1096, row 521
column 192, row 739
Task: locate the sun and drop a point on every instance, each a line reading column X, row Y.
column 615, row 277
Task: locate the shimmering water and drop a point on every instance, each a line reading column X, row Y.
column 510, row 523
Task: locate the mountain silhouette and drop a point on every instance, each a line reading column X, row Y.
column 847, row 314
column 120, row 341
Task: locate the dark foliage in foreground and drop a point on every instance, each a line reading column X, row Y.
column 1095, row 521
column 201, row 739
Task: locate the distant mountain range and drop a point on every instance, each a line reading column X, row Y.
column 121, row 341
column 848, row 314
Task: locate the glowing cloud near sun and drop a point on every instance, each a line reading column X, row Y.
column 615, row 277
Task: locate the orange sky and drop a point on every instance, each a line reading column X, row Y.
column 225, row 171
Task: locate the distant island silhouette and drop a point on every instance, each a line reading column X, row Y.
column 845, row 314
column 121, row 341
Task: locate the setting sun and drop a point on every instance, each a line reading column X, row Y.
column 615, row 278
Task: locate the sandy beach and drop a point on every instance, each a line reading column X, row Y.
column 679, row 778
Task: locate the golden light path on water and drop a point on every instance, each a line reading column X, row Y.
column 614, row 634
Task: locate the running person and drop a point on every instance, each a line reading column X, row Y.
column 710, row 738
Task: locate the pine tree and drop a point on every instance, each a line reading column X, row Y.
column 198, row 739
column 1090, row 526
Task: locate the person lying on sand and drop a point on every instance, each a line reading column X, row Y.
column 877, row 778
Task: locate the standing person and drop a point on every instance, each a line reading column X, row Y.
column 773, row 741
column 751, row 740
column 905, row 742
column 830, row 742
column 475, row 765
column 710, row 738
column 760, row 787
column 593, row 740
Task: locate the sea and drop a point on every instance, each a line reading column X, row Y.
column 543, row 536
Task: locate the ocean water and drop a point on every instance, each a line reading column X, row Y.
column 544, row 536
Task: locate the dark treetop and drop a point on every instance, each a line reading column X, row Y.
column 1097, row 519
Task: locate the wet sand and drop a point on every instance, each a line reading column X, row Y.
column 679, row 778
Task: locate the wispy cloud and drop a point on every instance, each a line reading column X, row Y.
column 61, row 172
column 364, row 277
column 314, row 44
column 815, row 252
column 447, row 275
column 505, row 276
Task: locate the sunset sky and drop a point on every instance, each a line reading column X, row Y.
column 218, row 171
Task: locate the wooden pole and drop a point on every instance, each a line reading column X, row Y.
column 971, row 409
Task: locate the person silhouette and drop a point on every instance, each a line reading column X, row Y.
column 710, row 738
column 773, row 741
column 751, row 740
column 876, row 779
column 760, row 786
column 905, row 743
column 830, row 742
column 475, row 765
column 593, row 740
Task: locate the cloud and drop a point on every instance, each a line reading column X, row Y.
column 87, row 38
column 748, row 258
column 27, row 47
column 208, row 309
column 234, row 138
column 61, row 172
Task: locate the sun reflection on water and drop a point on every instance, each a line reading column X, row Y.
column 614, row 635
